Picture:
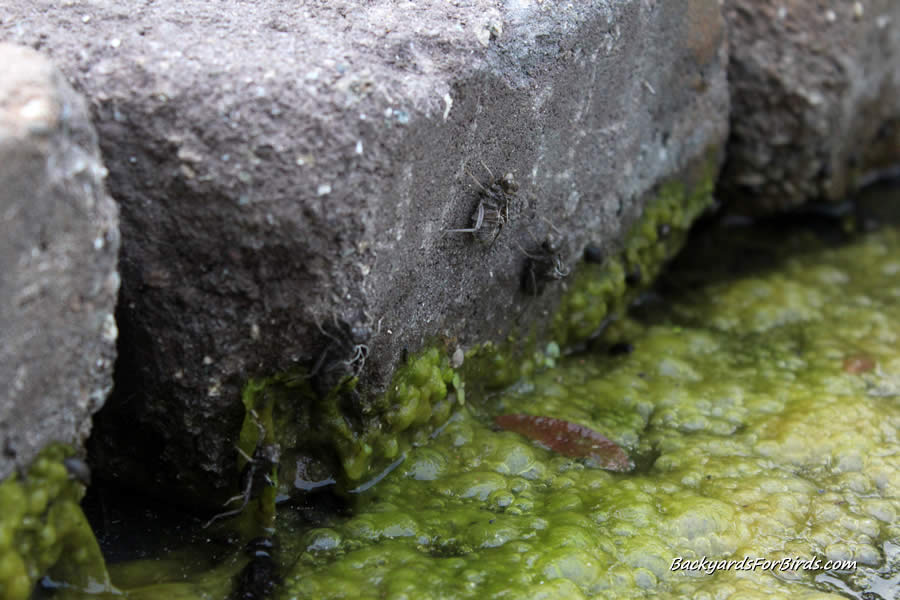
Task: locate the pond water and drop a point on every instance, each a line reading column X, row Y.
column 757, row 389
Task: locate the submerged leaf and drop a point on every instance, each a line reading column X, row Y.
column 858, row 363
column 569, row 439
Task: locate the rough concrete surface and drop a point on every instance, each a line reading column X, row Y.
column 58, row 246
column 288, row 168
column 815, row 90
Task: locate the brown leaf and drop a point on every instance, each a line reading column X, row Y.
column 858, row 363
column 569, row 439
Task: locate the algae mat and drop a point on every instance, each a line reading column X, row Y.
column 763, row 412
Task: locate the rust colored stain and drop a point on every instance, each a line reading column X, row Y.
column 569, row 439
column 858, row 363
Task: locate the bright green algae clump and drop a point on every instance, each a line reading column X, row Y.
column 43, row 531
column 751, row 439
column 600, row 291
column 419, row 398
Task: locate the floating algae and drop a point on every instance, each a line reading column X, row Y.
column 762, row 412
column 758, row 442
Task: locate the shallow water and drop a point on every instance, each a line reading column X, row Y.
column 756, row 439
column 762, row 409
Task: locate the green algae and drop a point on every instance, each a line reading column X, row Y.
column 599, row 293
column 369, row 437
column 187, row 574
column 751, row 440
column 420, row 398
column 602, row 292
column 755, row 443
column 43, row 530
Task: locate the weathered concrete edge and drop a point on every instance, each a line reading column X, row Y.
column 513, row 109
column 418, row 162
column 58, row 253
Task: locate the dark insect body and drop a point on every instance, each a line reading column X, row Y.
column 259, row 578
column 255, row 475
column 620, row 349
column 543, row 266
column 594, row 254
column 569, row 439
column 634, row 276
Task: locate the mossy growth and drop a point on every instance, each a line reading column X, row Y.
column 602, row 292
column 419, row 398
column 44, row 532
column 336, row 438
column 752, row 436
column 368, row 436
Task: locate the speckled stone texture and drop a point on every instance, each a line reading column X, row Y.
column 287, row 172
column 58, row 278
column 815, row 102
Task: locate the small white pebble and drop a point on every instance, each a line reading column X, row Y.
column 359, row 147
column 830, row 16
column 782, row 12
column 98, row 243
column 448, row 102
column 857, row 10
column 39, row 111
column 86, row 19
column 882, row 21
column 115, row 42
column 207, row 360
column 108, row 330
column 323, row 189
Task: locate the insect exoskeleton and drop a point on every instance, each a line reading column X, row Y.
column 492, row 212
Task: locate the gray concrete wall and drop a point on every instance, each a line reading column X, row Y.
column 58, row 244
column 287, row 172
